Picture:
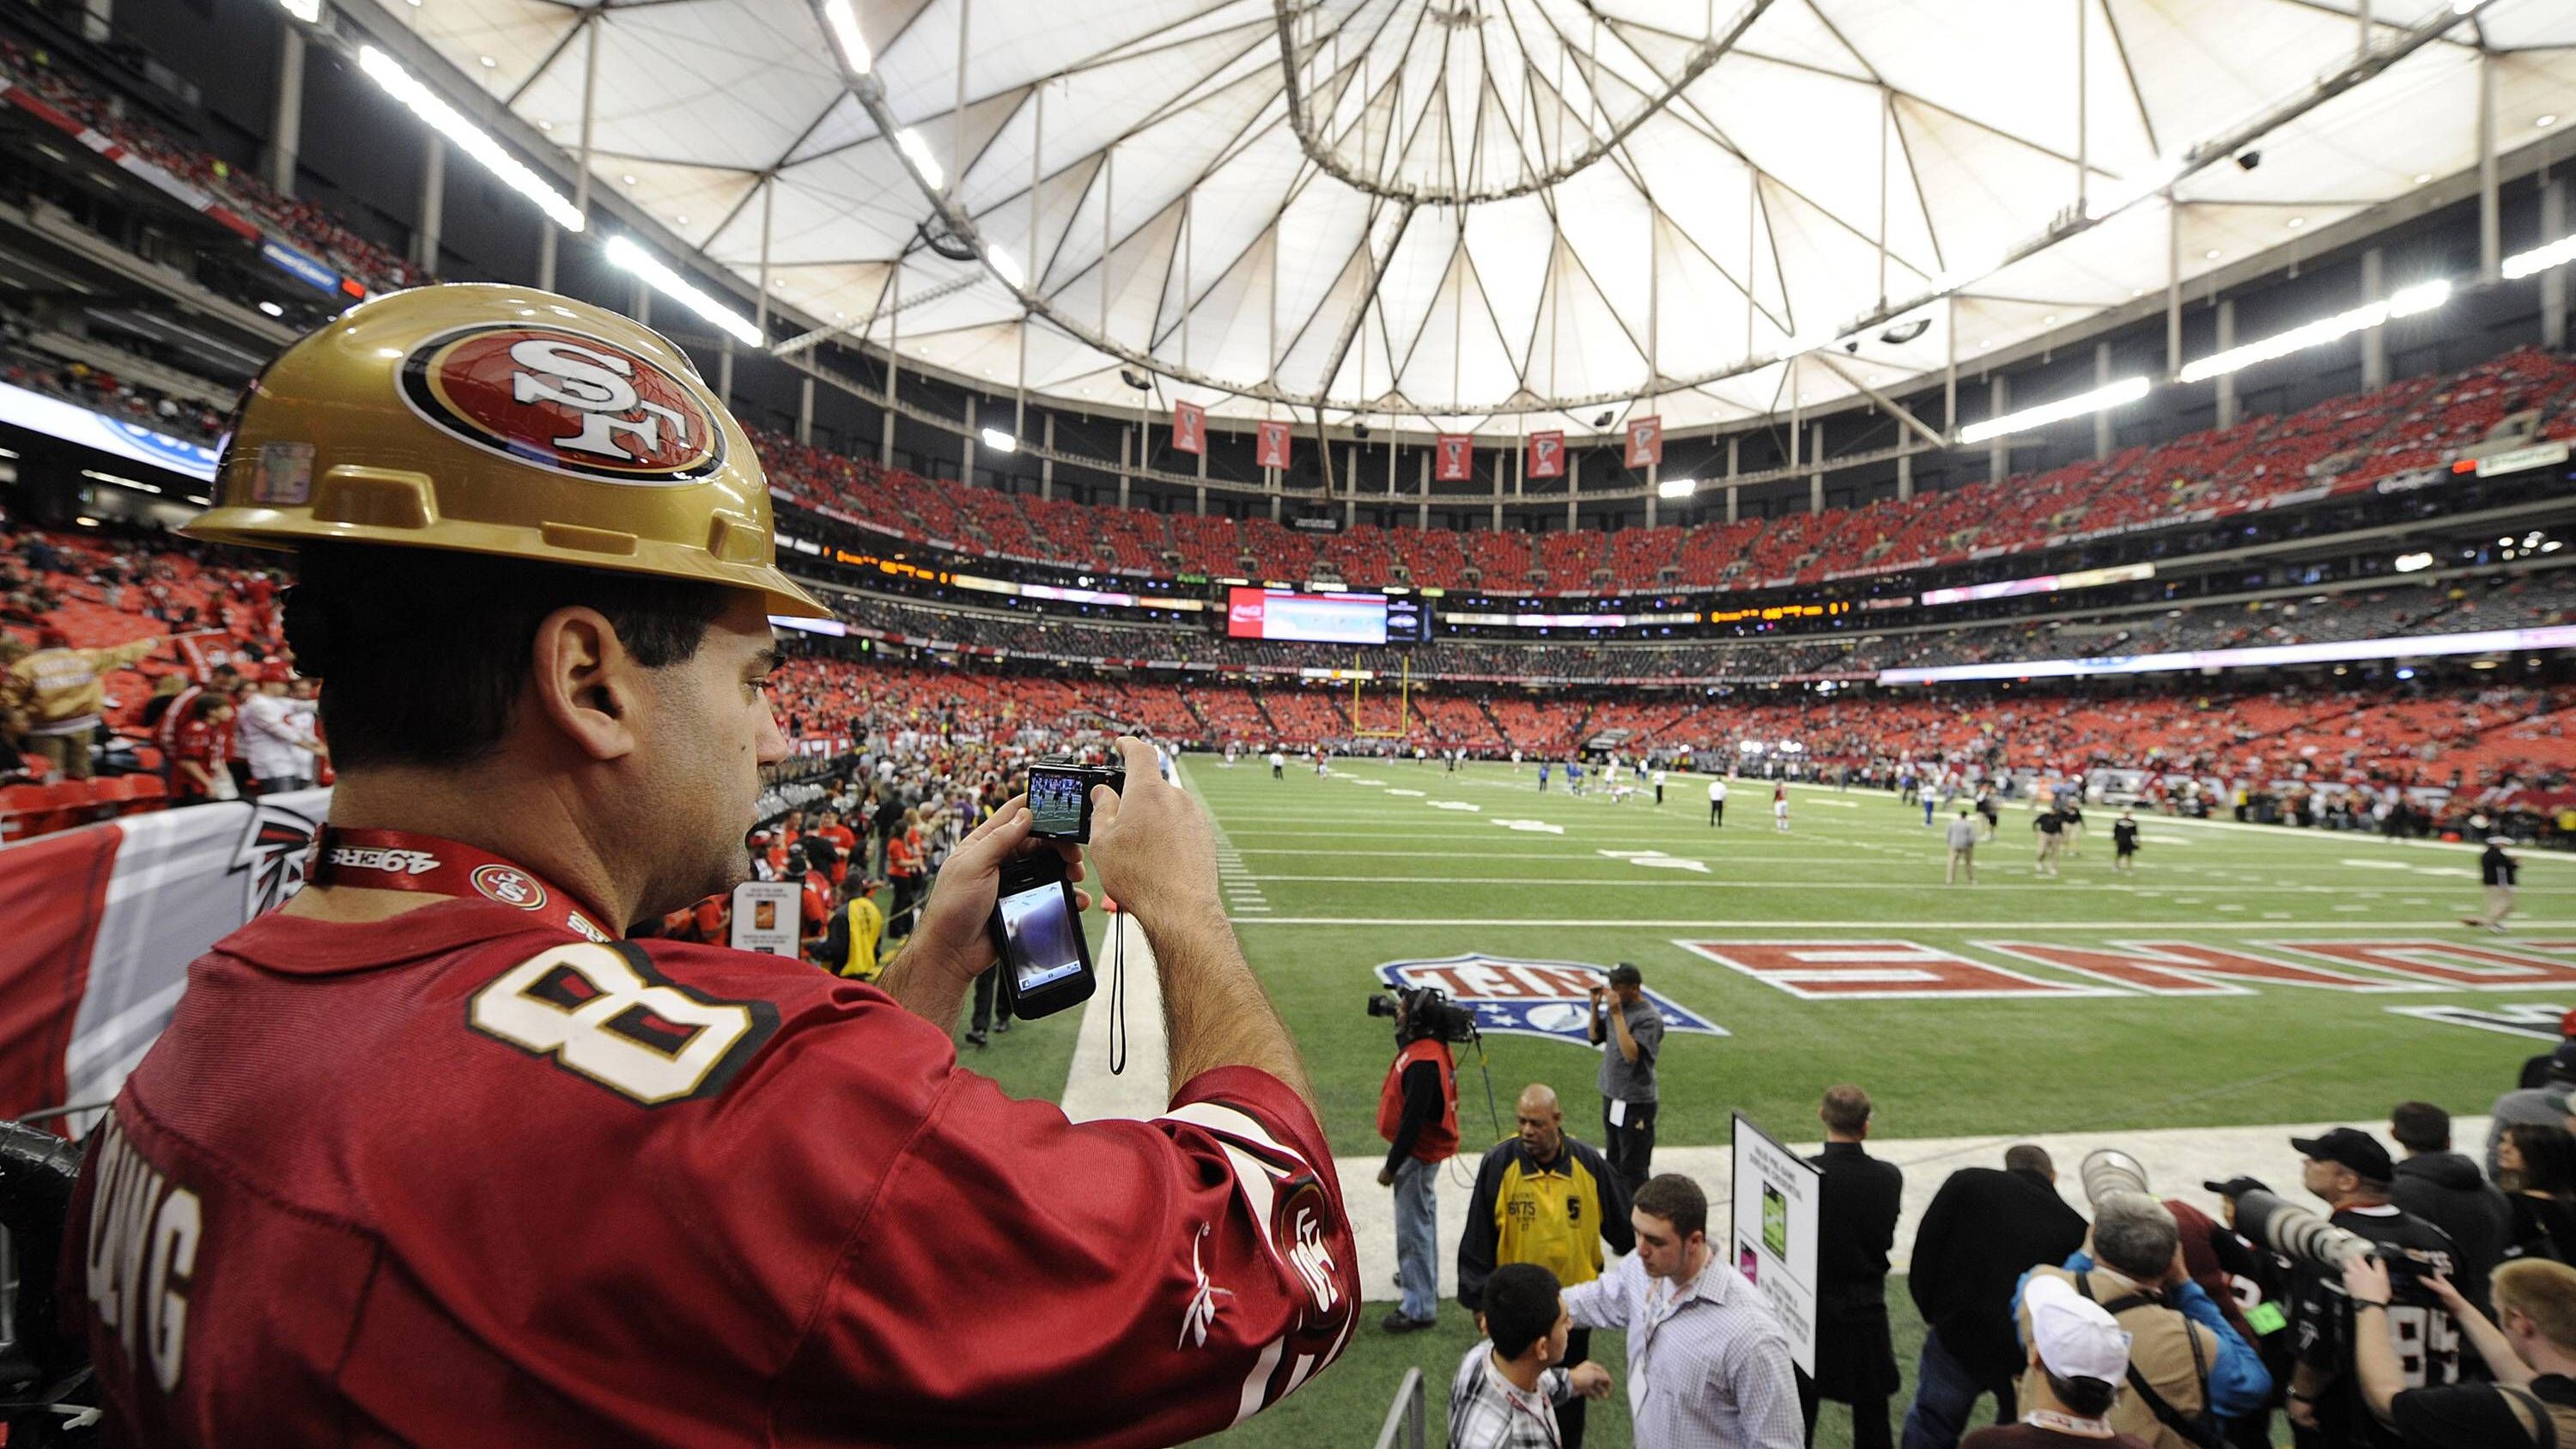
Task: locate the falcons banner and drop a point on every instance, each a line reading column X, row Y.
column 1189, row 428
column 103, row 923
column 1645, row 441
column 1270, row 446
column 1547, row 455
column 1456, row 460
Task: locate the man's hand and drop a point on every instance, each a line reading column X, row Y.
column 1386, row 1177
column 949, row 939
column 2365, row 1278
column 1153, row 844
column 2450, row 1296
column 2303, row 1412
column 1590, row 1380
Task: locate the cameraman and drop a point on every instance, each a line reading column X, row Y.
column 2352, row 1173
column 2187, row 1366
column 2530, row 1348
column 1630, row 1032
column 1417, row 1114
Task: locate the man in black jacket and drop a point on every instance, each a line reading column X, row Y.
column 1856, row 1211
column 1984, row 1229
column 2446, row 1189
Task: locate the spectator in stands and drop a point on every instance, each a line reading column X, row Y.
column 2190, row 1366
column 279, row 748
column 2533, row 1104
column 850, row 946
column 1983, row 1229
column 2076, row 1363
column 2535, row 1069
column 1509, row 1392
column 57, row 691
column 906, row 867
column 1708, row 1364
column 2529, row 1348
column 200, row 751
column 1859, row 1197
column 1543, row 1198
column 2536, row 1168
column 2351, row 1173
column 2446, row 1189
column 814, row 901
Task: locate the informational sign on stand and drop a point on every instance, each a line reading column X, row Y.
column 1775, row 1233
column 765, row 916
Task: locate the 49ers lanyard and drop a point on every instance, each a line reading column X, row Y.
column 398, row 860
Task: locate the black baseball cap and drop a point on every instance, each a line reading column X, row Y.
column 2350, row 1147
column 1625, row 974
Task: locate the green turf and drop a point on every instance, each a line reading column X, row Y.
column 1396, row 877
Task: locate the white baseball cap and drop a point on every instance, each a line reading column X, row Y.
column 2075, row 1337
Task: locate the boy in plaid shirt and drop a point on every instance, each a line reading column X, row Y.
column 1506, row 1393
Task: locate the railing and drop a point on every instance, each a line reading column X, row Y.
column 1404, row 1418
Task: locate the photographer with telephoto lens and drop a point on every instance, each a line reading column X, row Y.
column 1417, row 1114
column 2188, row 1369
column 2351, row 1173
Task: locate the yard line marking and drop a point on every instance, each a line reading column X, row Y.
column 1780, row 924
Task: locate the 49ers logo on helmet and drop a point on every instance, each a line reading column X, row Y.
column 564, row 400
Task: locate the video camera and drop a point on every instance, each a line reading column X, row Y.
column 1428, row 1012
column 2303, row 1237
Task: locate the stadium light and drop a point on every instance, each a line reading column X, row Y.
column 627, row 256
column 2409, row 563
column 2406, row 302
column 909, row 142
column 467, row 137
column 1677, row 488
column 308, row 11
column 1000, row 442
column 1005, row 266
column 2540, row 259
column 845, row 34
column 2115, row 395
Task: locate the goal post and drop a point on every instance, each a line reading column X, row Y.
column 1402, row 723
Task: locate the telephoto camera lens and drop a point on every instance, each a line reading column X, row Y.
column 2108, row 1170
column 2295, row 1232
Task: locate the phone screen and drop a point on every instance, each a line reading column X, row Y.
column 1055, row 803
column 1044, row 940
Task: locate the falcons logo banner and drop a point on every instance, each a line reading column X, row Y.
column 1456, row 460
column 1270, row 448
column 1189, row 428
column 1547, row 455
column 1645, row 441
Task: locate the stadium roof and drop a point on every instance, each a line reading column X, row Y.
column 1498, row 213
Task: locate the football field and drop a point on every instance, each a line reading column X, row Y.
column 2243, row 979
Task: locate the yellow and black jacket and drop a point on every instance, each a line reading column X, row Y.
column 1557, row 1216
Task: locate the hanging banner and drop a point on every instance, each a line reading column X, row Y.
column 1645, row 441
column 1270, row 450
column 1189, row 428
column 1547, row 455
column 1456, row 460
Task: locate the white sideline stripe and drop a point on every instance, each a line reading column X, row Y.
column 2177, row 1159
column 1738, row 882
column 1144, row 1090
column 1785, row 923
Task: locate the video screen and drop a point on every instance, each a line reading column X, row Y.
column 1305, row 618
column 1407, row 622
column 1045, row 941
column 1055, row 802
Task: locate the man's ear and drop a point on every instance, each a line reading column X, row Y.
column 583, row 682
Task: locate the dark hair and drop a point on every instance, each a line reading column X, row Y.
column 1846, row 1108
column 2420, row 1126
column 2084, row 1398
column 2548, row 1159
column 423, row 652
column 2028, row 1157
column 1625, row 974
column 1676, row 1199
column 1520, row 1307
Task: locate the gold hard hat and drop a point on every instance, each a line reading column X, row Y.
column 500, row 419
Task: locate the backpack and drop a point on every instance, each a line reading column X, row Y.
column 2203, row 1431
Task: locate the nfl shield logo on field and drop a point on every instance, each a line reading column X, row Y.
column 1530, row 998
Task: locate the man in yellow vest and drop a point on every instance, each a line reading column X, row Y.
column 1542, row 1197
column 850, row 943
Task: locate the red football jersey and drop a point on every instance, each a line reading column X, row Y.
column 462, row 1176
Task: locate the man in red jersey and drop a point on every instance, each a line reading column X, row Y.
column 431, row 1155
